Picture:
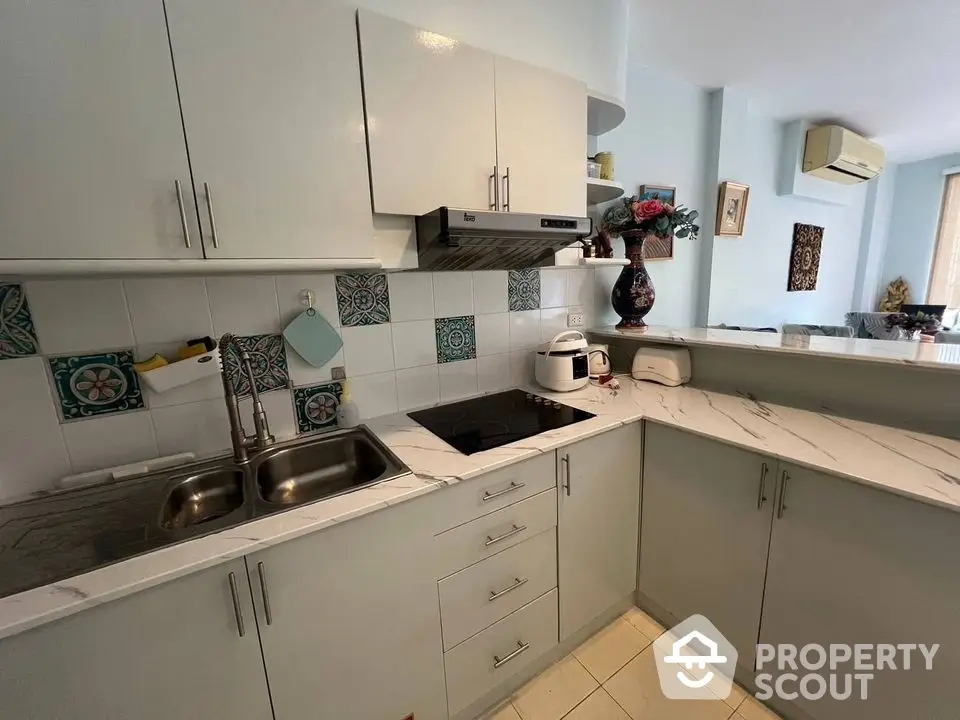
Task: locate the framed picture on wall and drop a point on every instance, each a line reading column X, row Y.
column 664, row 193
column 732, row 208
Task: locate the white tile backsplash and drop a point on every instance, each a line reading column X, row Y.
column 418, row 388
column 414, row 343
column 490, row 292
column 278, row 405
column 553, row 321
column 110, row 440
column 452, row 294
column 199, row 427
column 290, row 296
column 580, row 288
column 375, row 394
column 524, row 329
column 411, row 296
column 303, row 373
column 244, row 305
column 458, row 380
column 76, row 316
column 493, row 373
column 367, row 349
column 521, row 366
column 553, row 288
column 493, row 334
column 168, row 310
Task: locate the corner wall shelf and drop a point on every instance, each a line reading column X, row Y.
column 601, row 191
column 604, row 112
column 598, row 262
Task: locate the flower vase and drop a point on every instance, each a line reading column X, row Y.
column 633, row 293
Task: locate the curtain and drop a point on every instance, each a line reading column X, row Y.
column 945, row 280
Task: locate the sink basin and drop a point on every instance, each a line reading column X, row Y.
column 202, row 497
column 327, row 467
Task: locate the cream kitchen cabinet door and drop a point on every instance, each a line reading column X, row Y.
column 541, row 140
column 350, row 620
column 90, row 134
column 599, row 509
column 173, row 651
column 431, row 118
column 273, row 114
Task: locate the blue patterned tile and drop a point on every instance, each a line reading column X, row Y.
column 456, row 338
column 90, row 385
column 363, row 299
column 523, row 289
column 268, row 357
column 317, row 406
column 18, row 337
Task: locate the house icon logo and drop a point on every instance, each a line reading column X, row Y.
column 695, row 661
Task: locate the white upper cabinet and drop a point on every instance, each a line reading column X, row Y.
column 273, row 112
column 90, row 133
column 431, row 118
column 541, row 139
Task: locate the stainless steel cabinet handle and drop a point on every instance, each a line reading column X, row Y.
column 782, row 505
column 488, row 496
column 183, row 214
column 566, row 461
column 522, row 647
column 510, row 533
column 267, row 613
column 232, row 577
column 495, row 181
column 213, row 220
column 762, row 495
column 518, row 584
column 506, row 191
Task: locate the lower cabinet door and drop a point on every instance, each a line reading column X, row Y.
column 350, row 620
column 173, row 651
column 850, row 564
column 704, row 531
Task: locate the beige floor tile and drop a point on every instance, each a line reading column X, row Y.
column 753, row 709
column 736, row 697
column 644, row 623
column 636, row 688
column 506, row 712
column 611, row 649
column 555, row 692
column 599, row 706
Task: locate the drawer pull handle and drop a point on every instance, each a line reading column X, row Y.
column 488, row 496
column 510, row 533
column 519, row 583
column 522, row 647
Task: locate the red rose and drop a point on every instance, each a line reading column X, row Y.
column 648, row 209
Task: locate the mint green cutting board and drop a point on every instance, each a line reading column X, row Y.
column 313, row 338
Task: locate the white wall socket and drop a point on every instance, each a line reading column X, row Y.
column 575, row 319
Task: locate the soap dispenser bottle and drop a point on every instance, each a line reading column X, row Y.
column 348, row 414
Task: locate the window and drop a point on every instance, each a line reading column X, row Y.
column 945, row 280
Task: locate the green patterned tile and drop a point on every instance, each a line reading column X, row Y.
column 269, row 360
column 523, row 289
column 363, row 299
column 91, row 385
column 317, row 406
column 456, row 338
column 18, row 336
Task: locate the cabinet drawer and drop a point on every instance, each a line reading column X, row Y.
column 488, row 493
column 478, row 596
column 494, row 533
column 488, row 659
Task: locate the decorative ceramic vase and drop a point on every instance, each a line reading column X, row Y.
column 633, row 293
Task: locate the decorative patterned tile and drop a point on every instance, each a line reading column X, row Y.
column 317, row 406
column 363, row 299
column 18, row 336
column 269, row 360
column 90, row 385
column 523, row 289
column 456, row 339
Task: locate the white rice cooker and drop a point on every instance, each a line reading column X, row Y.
column 563, row 364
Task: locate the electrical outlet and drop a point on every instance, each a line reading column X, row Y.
column 575, row 319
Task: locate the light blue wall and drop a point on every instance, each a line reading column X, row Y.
column 748, row 284
column 873, row 238
column 914, row 222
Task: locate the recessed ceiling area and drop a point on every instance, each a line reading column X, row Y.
column 886, row 68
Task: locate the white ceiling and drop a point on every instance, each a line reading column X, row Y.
column 889, row 69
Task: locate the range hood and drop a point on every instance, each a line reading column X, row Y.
column 458, row 239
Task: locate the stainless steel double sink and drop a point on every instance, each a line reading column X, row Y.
column 93, row 526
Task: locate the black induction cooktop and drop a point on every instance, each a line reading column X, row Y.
column 490, row 421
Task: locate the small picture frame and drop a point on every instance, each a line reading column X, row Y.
column 732, row 208
column 664, row 193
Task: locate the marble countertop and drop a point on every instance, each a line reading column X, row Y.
column 932, row 355
column 923, row 467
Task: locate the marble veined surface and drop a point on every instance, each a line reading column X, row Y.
column 936, row 355
column 911, row 464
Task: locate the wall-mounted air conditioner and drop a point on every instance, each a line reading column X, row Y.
column 839, row 155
